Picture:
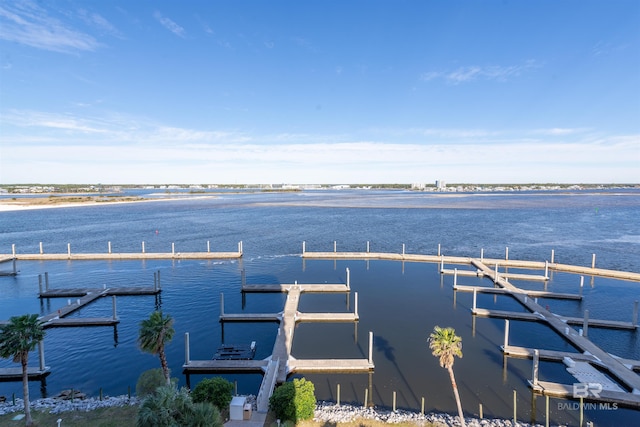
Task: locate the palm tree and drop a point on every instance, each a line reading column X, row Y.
column 17, row 339
column 445, row 344
column 155, row 332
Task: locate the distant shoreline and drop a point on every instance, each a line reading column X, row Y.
column 51, row 202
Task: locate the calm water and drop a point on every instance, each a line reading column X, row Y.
column 399, row 302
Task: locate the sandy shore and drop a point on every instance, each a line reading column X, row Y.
column 28, row 203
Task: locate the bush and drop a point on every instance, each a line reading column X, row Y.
column 215, row 390
column 169, row 407
column 294, row 401
column 149, row 381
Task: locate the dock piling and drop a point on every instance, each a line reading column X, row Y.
column 221, row 304
column 403, row 248
column 46, row 281
column 356, row 305
column 475, row 296
column 208, row 246
column 366, row 396
column 593, row 261
column 173, row 249
column 367, row 246
column 40, row 283
column 553, row 253
column 370, row 347
column 335, row 246
column 109, row 246
column 506, row 253
column 113, row 300
column 187, row 356
column 69, row 249
column 394, row 401
column 585, row 324
column 438, row 249
column 506, row 334
column 338, row 394
column 143, row 246
column 41, row 251
column 13, row 249
column 482, row 254
column 348, row 278
column 534, row 372
column 41, row 355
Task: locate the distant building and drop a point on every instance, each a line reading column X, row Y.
column 440, row 185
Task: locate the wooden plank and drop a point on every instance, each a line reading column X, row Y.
column 15, row 374
column 531, row 293
column 327, row 317
column 81, row 321
column 330, row 365
column 250, row 317
column 547, row 388
column 128, row 256
column 212, row 366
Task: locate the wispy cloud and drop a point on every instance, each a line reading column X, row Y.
column 477, row 72
column 27, row 23
column 169, row 24
column 99, row 22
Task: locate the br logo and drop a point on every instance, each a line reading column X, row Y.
column 587, row 390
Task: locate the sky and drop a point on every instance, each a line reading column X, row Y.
column 336, row 92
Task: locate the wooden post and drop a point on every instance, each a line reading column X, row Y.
column 208, row 246
column 366, row 396
column 187, row 356
column 304, row 246
column 438, row 249
column 394, row 401
column 581, row 410
column 159, row 284
column 41, row 251
column 514, row 408
column 506, row 334
column 356, row 305
column 143, row 246
column 441, row 264
column 155, row 282
column 455, row 278
column 40, row 283
column 348, row 278
column 173, row 248
column 243, row 277
column 553, row 255
column 46, row 281
column 585, row 324
column 69, row 249
column 581, row 284
column 240, row 247
column 403, row 248
column 475, row 295
column 13, row 249
column 481, row 254
column 109, row 245
column 41, row 354
column 113, row 300
column 338, row 394
column 536, row 361
column 546, row 270
column 506, row 253
column 593, row 261
column 15, row 270
column 546, row 411
column 221, row 304
column 422, row 406
column 495, row 278
column 335, row 246
column 634, row 320
column 367, row 246
column 370, row 347
column 480, row 410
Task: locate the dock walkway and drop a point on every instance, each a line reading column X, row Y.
column 281, row 363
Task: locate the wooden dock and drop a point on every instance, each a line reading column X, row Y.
column 531, row 293
column 280, row 364
column 15, row 374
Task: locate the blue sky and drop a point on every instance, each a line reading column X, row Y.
column 319, row 91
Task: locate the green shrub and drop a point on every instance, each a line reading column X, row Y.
column 170, row 407
column 149, row 381
column 215, row 390
column 294, row 401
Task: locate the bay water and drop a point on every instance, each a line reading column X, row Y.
column 400, row 302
